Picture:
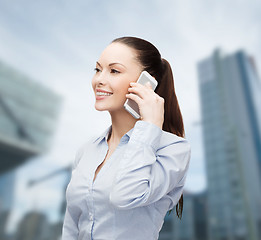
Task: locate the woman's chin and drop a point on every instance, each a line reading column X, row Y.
column 98, row 108
column 101, row 107
column 109, row 109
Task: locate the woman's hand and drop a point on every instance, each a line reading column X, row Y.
column 151, row 105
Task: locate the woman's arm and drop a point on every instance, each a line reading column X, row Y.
column 148, row 171
column 70, row 229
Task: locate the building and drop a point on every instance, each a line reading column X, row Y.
column 192, row 225
column 28, row 117
column 34, row 226
column 230, row 94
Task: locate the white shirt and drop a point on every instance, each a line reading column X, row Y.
column 138, row 184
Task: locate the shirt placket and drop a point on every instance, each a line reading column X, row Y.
column 89, row 198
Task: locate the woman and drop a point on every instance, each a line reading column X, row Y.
column 125, row 180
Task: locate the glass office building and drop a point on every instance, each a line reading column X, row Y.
column 230, row 93
column 28, row 117
column 192, row 225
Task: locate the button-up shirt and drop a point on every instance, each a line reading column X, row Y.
column 130, row 196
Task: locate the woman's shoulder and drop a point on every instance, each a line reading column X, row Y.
column 90, row 142
column 168, row 138
column 82, row 149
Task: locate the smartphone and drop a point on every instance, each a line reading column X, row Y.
column 130, row 105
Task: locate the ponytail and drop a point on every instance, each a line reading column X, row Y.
column 173, row 121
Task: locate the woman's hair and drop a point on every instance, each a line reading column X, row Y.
column 149, row 57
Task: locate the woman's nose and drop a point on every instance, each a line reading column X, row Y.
column 101, row 79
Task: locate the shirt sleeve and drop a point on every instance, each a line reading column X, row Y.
column 150, row 170
column 78, row 156
column 70, row 228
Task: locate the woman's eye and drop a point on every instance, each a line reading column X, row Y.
column 97, row 70
column 114, row 71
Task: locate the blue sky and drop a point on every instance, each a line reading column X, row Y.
column 58, row 42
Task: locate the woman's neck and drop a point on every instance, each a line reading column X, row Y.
column 122, row 122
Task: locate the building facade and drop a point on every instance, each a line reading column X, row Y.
column 192, row 225
column 230, row 107
column 28, row 117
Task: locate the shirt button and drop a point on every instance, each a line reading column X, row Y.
column 90, row 217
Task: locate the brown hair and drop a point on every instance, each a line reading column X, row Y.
column 150, row 58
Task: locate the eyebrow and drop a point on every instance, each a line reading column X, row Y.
column 111, row 64
column 116, row 63
column 98, row 64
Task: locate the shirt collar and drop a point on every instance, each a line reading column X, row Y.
column 105, row 135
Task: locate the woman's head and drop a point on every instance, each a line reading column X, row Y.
column 115, row 69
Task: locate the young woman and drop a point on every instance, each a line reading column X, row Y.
column 125, row 180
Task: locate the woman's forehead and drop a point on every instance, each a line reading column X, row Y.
column 117, row 52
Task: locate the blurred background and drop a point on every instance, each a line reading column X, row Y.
column 48, row 51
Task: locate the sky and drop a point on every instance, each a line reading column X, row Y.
column 57, row 43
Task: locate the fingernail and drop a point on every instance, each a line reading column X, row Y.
column 132, row 83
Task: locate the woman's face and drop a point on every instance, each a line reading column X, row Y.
column 115, row 69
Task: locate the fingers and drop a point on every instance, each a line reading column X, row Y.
column 140, row 90
column 151, row 105
column 134, row 97
column 148, row 84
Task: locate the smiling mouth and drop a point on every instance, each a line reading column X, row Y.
column 103, row 94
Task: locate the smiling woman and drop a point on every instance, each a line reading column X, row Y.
column 125, row 180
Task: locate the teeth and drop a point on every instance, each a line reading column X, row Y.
column 103, row 94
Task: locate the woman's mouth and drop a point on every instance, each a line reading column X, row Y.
column 102, row 95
